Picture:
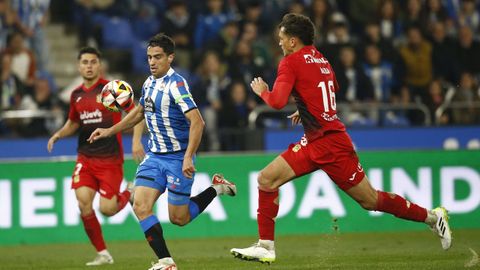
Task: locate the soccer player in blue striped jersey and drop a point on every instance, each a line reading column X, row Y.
column 175, row 127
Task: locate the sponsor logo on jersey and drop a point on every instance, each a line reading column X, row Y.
column 91, row 117
column 149, row 106
column 310, row 59
column 329, row 118
column 296, row 148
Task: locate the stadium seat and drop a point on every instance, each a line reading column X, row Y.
column 139, row 58
column 117, row 34
column 145, row 28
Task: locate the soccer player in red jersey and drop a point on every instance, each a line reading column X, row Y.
column 99, row 166
column 307, row 75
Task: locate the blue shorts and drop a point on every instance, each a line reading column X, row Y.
column 165, row 172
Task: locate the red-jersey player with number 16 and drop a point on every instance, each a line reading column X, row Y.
column 307, row 75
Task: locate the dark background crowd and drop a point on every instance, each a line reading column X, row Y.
column 399, row 63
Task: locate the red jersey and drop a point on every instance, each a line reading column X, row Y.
column 86, row 109
column 310, row 79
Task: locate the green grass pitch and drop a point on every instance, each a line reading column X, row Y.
column 393, row 250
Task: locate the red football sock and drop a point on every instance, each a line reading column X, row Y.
column 399, row 207
column 122, row 199
column 266, row 214
column 94, row 231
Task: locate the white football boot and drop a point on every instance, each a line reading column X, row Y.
column 441, row 227
column 223, row 186
column 164, row 264
column 101, row 259
column 263, row 251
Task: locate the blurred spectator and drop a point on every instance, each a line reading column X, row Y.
column 468, row 51
column 42, row 99
column 360, row 12
column 390, row 23
column 412, row 14
column 254, row 13
column 337, row 37
column 225, row 43
column 207, row 91
column 179, row 24
column 354, row 84
column 466, row 94
column 209, row 24
column 7, row 19
column 468, row 15
column 380, row 73
column 260, row 49
column 319, row 13
column 32, row 18
column 296, row 6
column 435, row 99
column 445, row 63
column 433, row 13
column 417, row 56
column 242, row 65
column 234, row 114
column 21, row 60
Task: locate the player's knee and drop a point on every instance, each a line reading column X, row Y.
column 180, row 220
column 108, row 210
column 265, row 182
column 369, row 205
column 85, row 208
column 141, row 210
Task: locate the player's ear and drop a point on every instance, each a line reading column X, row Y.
column 171, row 57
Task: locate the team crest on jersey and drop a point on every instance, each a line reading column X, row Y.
column 99, row 98
column 149, row 106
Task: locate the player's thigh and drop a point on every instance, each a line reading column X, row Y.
column 82, row 175
column 85, row 196
column 364, row 194
column 179, row 186
column 293, row 162
column 109, row 174
column 150, row 173
column 144, row 200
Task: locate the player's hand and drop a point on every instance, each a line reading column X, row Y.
column 138, row 153
column 98, row 134
column 52, row 141
column 258, row 86
column 295, row 118
column 188, row 169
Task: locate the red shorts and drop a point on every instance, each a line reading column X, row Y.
column 333, row 153
column 102, row 174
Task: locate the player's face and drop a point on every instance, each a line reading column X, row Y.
column 89, row 66
column 285, row 42
column 158, row 61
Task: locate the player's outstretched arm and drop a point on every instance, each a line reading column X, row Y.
column 68, row 129
column 195, row 136
column 133, row 117
column 138, row 153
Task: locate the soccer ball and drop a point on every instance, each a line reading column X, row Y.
column 117, row 95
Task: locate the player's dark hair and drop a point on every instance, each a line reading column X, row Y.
column 163, row 41
column 300, row 26
column 90, row 50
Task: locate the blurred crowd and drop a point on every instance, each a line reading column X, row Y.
column 392, row 58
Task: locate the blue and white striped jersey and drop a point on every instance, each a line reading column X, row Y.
column 165, row 101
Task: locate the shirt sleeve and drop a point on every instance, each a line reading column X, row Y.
column 181, row 95
column 141, row 101
column 72, row 113
column 278, row 97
